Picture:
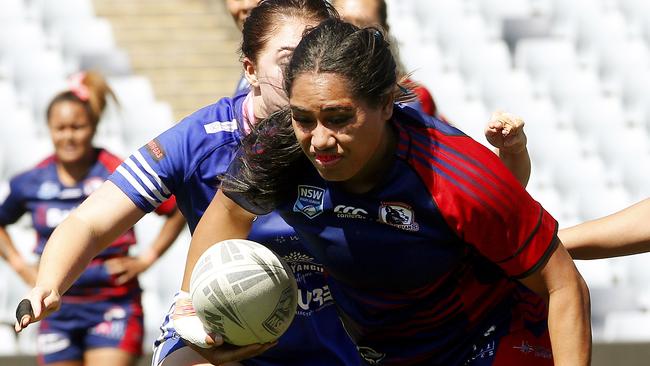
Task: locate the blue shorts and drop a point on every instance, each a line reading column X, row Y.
column 77, row 327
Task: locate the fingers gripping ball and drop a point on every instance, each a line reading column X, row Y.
column 243, row 291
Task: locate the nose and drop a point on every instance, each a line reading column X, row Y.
column 322, row 138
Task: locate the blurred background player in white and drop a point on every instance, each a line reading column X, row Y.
column 100, row 320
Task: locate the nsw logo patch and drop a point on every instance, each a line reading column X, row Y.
column 309, row 201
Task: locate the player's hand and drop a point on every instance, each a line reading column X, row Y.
column 41, row 302
column 227, row 353
column 505, row 131
column 126, row 268
column 189, row 326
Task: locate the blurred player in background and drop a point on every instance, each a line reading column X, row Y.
column 240, row 9
column 437, row 265
column 100, row 320
column 364, row 13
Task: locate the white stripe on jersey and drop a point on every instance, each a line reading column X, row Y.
column 152, row 173
column 219, row 126
column 144, row 179
column 134, row 183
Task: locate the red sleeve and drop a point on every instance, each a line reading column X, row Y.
column 484, row 204
column 168, row 207
column 425, row 99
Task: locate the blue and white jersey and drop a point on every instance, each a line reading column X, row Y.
column 186, row 161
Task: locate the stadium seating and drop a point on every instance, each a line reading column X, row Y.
column 578, row 72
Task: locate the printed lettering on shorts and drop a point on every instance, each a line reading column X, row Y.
column 114, row 324
column 49, row 343
column 155, row 150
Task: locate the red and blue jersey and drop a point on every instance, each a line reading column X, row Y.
column 422, row 264
column 40, row 192
column 187, row 161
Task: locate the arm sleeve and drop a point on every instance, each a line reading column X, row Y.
column 168, row 207
column 12, row 205
column 485, row 205
column 150, row 175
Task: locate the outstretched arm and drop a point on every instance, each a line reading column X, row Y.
column 625, row 232
column 568, row 308
column 505, row 132
column 89, row 229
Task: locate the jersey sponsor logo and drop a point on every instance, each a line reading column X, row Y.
column 48, row 190
column 313, row 299
column 349, row 212
column 309, row 201
column 54, row 216
column 216, row 127
column 399, row 215
column 91, row 185
column 71, row 193
column 370, row 355
column 155, row 150
column 49, row 343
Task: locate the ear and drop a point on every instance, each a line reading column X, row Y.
column 387, row 109
column 249, row 72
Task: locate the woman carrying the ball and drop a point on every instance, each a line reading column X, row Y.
column 101, row 319
column 446, row 259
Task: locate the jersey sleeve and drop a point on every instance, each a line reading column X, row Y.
column 150, row 175
column 11, row 203
column 486, row 207
column 168, row 207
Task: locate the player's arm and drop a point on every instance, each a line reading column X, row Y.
column 224, row 219
column 9, row 253
column 505, row 132
column 127, row 268
column 89, row 229
column 568, row 308
column 625, row 232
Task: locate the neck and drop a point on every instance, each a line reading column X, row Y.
column 71, row 173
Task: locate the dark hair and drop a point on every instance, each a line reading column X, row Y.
column 361, row 55
column 383, row 14
column 267, row 162
column 270, row 157
column 265, row 18
column 89, row 89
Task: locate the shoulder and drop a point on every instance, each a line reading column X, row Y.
column 36, row 172
column 217, row 122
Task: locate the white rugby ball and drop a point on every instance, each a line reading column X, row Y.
column 243, row 291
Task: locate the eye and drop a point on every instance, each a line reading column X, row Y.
column 339, row 120
column 303, row 120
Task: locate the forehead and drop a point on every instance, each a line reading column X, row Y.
column 66, row 110
column 358, row 9
column 287, row 33
column 317, row 91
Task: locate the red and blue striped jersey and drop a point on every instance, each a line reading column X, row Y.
column 423, row 262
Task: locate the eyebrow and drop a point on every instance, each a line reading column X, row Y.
column 286, row 48
column 332, row 109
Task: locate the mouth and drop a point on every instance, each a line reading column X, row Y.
column 327, row 160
